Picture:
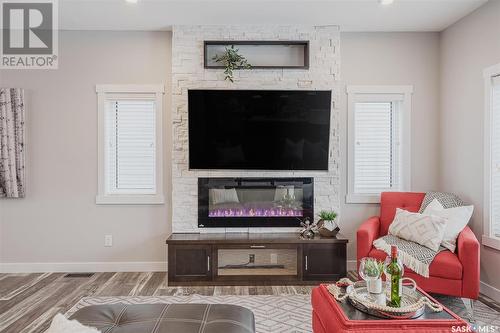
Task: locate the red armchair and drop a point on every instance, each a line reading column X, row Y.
column 454, row 274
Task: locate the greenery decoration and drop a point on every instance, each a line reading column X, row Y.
column 231, row 60
column 374, row 267
column 327, row 215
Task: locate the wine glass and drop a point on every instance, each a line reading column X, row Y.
column 370, row 270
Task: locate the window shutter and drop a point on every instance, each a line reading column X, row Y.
column 495, row 156
column 130, row 137
column 376, row 147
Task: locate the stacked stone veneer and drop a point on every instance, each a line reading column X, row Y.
column 188, row 73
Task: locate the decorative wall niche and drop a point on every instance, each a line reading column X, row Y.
column 262, row 54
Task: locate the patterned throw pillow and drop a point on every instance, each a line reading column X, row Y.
column 426, row 230
column 448, row 200
column 458, row 218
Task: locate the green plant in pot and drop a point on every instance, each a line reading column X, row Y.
column 327, row 226
column 231, row 60
column 374, row 267
column 370, row 270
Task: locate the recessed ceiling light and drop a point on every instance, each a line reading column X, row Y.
column 386, row 2
column 132, row 1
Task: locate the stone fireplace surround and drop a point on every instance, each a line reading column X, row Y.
column 188, row 73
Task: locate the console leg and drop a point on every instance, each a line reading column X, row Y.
column 469, row 305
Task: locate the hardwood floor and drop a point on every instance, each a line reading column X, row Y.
column 29, row 301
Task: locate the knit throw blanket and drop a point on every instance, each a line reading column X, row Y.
column 414, row 256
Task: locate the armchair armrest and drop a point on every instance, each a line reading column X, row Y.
column 366, row 234
column 468, row 254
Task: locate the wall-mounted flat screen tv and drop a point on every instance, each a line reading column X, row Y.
column 259, row 129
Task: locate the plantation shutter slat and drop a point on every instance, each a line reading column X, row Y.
column 376, row 147
column 130, row 128
column 495, row 156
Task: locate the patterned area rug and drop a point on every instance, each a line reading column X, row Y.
column 287, row 313
column 273, row 314
column 484, row 315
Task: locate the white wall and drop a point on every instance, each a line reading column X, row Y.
column 394, row 59
column 58, row 221
column 468, row 47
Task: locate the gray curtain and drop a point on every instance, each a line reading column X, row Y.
column 11, row 143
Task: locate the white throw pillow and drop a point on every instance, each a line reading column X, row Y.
column 220, row 196
column 458, row 218
column 61, row 324
column 426, row 230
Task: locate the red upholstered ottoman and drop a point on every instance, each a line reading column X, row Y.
column 330, row 316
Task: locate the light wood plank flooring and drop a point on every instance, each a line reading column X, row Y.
column 29, row 301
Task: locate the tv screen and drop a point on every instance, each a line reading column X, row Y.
column 259, row 129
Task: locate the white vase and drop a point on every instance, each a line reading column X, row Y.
column 374, row 286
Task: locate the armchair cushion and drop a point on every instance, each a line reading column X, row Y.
column 445, row 264
column 389, row 201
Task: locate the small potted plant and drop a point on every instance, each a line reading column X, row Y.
column 231, row 60
column 327, row 226
column 370, row 270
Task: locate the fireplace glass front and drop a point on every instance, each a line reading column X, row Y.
column 254, row 202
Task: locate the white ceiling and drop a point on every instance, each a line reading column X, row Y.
column 350, row 15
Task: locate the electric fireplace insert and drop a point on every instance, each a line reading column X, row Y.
column 254, row 202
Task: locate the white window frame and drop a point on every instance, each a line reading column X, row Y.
column 130, row 90
column 355, row 94
column 487, row 238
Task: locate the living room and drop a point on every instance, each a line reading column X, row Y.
column 163, row 158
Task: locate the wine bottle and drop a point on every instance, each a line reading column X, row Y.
column 396, row 275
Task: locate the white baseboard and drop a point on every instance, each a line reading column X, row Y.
column 41, row 267
column 490, row 291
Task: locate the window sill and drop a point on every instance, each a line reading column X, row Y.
column 492, row 242
column 362, row 199
column 130, row 199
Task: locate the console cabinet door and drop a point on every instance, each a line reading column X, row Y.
column 190, row 263
column 323, row 262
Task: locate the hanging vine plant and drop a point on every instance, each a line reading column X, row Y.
column 231, row 60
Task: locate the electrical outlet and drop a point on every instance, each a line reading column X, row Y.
column 274, row 258
column 108, row 240
column 251, row 258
